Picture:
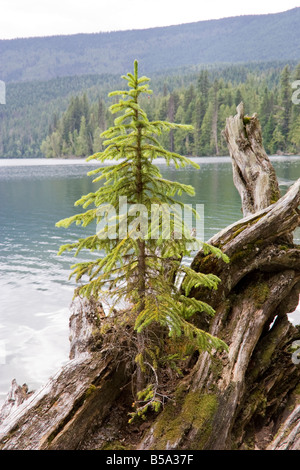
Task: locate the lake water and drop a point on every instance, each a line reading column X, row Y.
column 35, row 292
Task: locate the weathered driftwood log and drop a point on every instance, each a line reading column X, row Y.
column 248, row 398
column 288, row 437
column 61, row 414
column 15, row 397
column 253, row 174
column 239, row 400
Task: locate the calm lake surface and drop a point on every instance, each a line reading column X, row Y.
column 35, row 293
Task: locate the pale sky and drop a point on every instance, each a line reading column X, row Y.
column 27, row 18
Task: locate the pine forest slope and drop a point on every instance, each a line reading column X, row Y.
column 242, row 58
column 229, row 40
column 64, row 116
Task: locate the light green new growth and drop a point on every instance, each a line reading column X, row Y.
column 141, row 269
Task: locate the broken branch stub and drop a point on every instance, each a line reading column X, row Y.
column 253, row 174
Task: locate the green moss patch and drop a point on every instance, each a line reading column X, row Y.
column 192, row 414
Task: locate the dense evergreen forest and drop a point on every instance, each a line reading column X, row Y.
column 229, row 40
column 205, row 103
column 30, row 107
column 65, row 116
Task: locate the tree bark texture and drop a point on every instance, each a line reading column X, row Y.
column 248, row 398
column 240, row 399
column 62, row 413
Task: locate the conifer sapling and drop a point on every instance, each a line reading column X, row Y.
column 141, row 261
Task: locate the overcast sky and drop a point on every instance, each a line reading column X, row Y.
column 27, row 18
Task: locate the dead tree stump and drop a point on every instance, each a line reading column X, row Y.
column 240, row 400
column 247, row 398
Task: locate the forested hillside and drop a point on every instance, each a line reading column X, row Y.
column 30, row 107
column 229, row 40
column 65, row 117
column 56, row 87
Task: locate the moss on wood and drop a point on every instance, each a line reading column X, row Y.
column 192, row 414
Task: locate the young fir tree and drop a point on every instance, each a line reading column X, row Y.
column 139, row 254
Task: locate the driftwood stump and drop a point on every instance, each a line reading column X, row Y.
column 248, row 398
column 242, row 399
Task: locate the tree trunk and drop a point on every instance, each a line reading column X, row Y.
column 248, row 398
column 253, row 174
column 215, row 118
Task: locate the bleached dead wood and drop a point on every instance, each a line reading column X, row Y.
column 248, row 390
column 253, row 174
column 60, row 413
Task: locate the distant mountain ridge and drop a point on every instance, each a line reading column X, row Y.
column 229, row 40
